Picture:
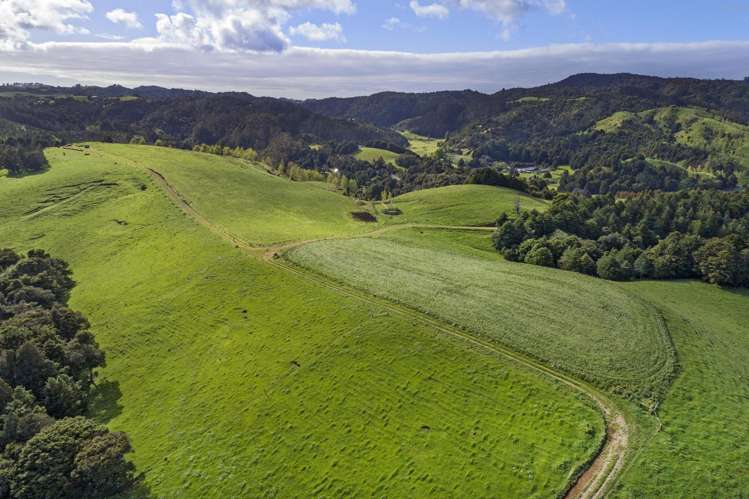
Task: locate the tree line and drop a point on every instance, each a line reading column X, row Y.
column 48, row 448
column 653, row 235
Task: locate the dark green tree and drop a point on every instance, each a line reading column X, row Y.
column 72, row 458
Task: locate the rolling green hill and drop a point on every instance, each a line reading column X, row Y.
column 459, row 205
column 588, row 327
column 243, row 197
column 234, row 378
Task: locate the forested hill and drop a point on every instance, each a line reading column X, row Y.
column 436, row 114
column 430, row 114
column 32, row 117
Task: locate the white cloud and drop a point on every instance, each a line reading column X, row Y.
column 395, row 23
column 128, row 19
column 391, row 23
column 17, row 17
column 181, row 29
column 436, row 10
column 239, row 25
column 507, row 12
column 110, row 37
column 319, row 33
column 307, row 72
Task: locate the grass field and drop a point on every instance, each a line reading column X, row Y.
column 372, row 154
column 459, row 205
column 233, row 378
column 586, row 326
column 703, row 449
column 423, row 146
column 259, row 207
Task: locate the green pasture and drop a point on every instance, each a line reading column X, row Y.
column 242, row 197
column 421, row 145
column 234, row 379
column 585, row 326
column 372, row 154
column 458, row 205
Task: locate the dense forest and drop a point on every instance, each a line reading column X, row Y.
column 693, row 233
column 47, row 360
column 29, row 122
column 439, row 113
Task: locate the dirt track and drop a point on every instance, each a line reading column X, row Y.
column 605, row 468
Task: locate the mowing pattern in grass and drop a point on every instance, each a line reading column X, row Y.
column 257, row 206
column 703, row 449
column 583, row 325
column 236, row 379
column 460, row 205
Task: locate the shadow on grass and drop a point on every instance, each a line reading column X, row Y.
column 104, row 405
column 139, row 491
column 738, row 291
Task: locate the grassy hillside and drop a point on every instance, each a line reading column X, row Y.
column 423, row 146
column 583, row 325
column 702, row 450
column 251, row 203
column 372, row 154
column 460, row 205
column 697, row 128
column 233, row 378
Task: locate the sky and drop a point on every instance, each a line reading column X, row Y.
column 318, row 48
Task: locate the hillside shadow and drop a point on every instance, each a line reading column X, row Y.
column 104, row 405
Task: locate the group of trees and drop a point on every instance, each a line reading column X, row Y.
column 21, row 149
column 183, row 120
column 640, row 175
column 19, row 160
column 603, row 162
column 248, row 153
column 694, row 233
column 376, row 180
column 535, row 185
column 47, row 359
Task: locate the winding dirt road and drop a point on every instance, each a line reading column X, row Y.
column 599, row 476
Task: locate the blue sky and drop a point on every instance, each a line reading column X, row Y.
column 302, row 48
column 601, row 21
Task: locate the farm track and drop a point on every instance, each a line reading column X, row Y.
column 600, row 474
